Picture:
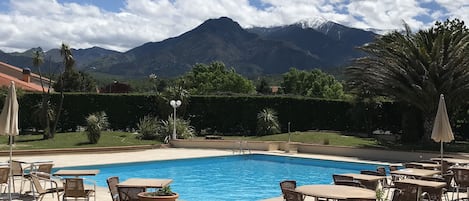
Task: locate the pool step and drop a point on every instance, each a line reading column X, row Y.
column 241, row 147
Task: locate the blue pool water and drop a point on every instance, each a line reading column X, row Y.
column 230, row 178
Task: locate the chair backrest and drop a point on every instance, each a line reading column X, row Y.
column 408, row 192
column 16, row 168
column 112, row 184
column 4, row 175
column 428, row 161
column 393, row 167
column 395, row 195
column 37, row 184
column 337, row 177
column 292, row 195
column 360, row 199
column 44, row 170
column 287, row 184
column 381, row 170
column 411, row 165
column 129, row 193
column 349, row 183
column 74, row 187
column 370, row 172
column 461, row 177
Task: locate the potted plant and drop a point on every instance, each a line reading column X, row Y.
column 162, row 194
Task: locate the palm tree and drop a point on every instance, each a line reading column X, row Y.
column 415, row 68
column 44, row 113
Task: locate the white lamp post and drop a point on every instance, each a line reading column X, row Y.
column 175, row 104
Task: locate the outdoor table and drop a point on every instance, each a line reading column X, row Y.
column 370, row 181
column 339, row 192
column 423, row 183
column 76, row 173
column 415, row 172
column 147, row 183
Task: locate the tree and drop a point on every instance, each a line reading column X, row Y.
column 263, row 87
column 313, row 83
column 44, row 113
column 215, row 78
column 415, row 68
column 71, row 80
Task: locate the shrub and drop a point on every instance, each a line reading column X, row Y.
column 94, row 124
column 183, row 128
column 147, row 128
column 267, row 122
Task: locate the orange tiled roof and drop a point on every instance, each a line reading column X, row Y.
column 12, row 73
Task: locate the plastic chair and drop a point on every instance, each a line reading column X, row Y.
column 112, row 184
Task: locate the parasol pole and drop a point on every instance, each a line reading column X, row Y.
column 11, row 172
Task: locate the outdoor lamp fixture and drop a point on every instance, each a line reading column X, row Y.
column 175, row 104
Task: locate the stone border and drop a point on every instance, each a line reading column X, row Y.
column 294, row 147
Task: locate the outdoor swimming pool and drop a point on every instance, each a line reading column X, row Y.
column 230, row 178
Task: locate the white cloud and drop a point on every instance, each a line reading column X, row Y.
column 47, row 23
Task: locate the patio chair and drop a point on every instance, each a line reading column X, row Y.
column 17, row 174
column 74, row 188
column 287, row 184
column 337, row 177
column 129, row 193
column 4, row 176
column 411, row 165
column 396, row 195
column 360, row 199
column 292, row 195
column 371, row 172
column 351, row 183
column 40, row 192
column 381, row 170
column 461, row 179
column 112, row 184
column 408, row 192
column 434, row 194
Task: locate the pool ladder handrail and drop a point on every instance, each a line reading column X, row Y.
column 242, row 149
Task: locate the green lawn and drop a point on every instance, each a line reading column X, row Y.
column 74, row 140
column 79, row 140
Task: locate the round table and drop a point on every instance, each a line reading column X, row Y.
column 336, row 191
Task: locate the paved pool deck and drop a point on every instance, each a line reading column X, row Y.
column 79, row 159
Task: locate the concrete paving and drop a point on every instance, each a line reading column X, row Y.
column 68, row 160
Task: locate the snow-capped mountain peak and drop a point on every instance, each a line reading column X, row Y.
column 313, row 23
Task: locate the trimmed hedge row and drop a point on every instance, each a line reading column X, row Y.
column 221, row 114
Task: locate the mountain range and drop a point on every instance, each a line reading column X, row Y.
column 253, row 51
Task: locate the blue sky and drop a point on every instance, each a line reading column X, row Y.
column 123, row 24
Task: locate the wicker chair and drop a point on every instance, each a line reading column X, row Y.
column 129, row 193
column 112, row 184
column 350, row 183
column 408, row 192
column 292, row 195
column 287, row 185
column 337, row 177
column 461, row 179
column 434, row 194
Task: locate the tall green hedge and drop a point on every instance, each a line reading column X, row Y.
column 221, row 114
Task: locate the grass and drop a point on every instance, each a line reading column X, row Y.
column 312, row 137
column 108, row 139
column 74, row 140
